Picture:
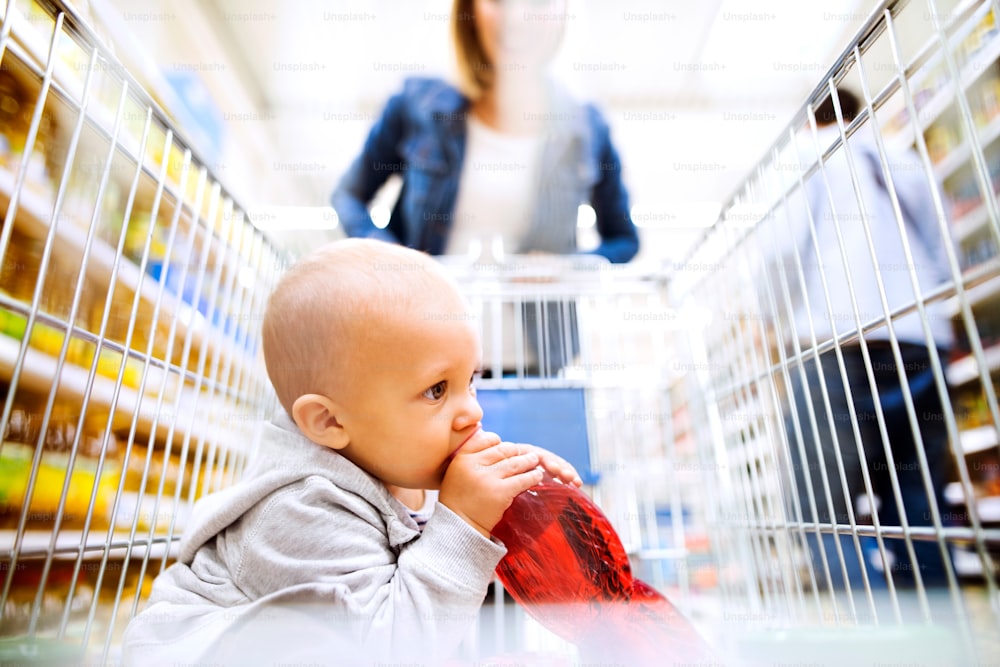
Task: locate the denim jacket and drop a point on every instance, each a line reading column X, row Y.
column 421, row 136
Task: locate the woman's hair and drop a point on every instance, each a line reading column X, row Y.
column 475, row 72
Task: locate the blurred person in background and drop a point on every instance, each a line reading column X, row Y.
column 506, row 154
column 824, row 305
column 499, row 163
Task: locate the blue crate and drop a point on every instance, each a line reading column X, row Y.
column 555, row 419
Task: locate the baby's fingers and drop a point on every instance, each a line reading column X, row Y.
column 515, row 465
column 558, row 467
column 516, row 484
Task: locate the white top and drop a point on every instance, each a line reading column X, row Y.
column 831, row 308
column 426, row 510
column 495, row 190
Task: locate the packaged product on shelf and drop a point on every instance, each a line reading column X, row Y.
column 60, row 284
column 992, row 104
column 44, row 338
column 180, row 277
column 962, row 191
column 116, row 329
column 971, row 409
column 17, row 459
column 17, row 617
column 12, row 324
column 82, row 185
column 139, row 504
column 980, row 36
column 985, row 99
column 17, row 106
column 121, row 322
column 136, row 234
column 19, row 266
column 14, row 124
column 110, row 220
column 109, row 365
column 109, row 361
column 978, row 249
column 941, row 139
column 156, row 143
column 990, row 479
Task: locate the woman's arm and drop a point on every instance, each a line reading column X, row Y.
column 609, row 198
column 378, row 160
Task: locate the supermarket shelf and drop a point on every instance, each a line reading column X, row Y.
column 29, row 47
column 214, row 398
column 979, row 439
column 988, row 507
column 970, row 223
column 69, row 543
column 39, row 370
column 985, row 291
column 982, row 286
column 965, row 369
column 963, row 153
column 971, row 70
column 968, row 563
column 32, row 217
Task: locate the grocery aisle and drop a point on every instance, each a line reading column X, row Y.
column 792, row 234
column 129, row 363
column 131, row 290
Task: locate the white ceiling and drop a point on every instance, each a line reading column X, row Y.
column 724, row 76
column 682, row 52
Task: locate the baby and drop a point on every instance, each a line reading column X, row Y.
column 332, row 548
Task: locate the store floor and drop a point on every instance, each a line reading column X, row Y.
column 960, row 630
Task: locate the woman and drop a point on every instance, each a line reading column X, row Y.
column 508, row 154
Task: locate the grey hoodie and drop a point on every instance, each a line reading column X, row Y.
column 308, row 557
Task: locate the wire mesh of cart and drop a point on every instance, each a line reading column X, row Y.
column 578, row 357
column 128, row 365
column 843, row 377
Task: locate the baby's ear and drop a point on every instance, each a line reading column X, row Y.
column 316, row 417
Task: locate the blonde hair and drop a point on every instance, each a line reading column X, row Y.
column 326, row 301
column 475, row 72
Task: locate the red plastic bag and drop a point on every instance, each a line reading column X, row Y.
column 567, row 567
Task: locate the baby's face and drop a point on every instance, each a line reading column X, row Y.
column 414, row 404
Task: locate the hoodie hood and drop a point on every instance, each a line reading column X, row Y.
column 284, row 456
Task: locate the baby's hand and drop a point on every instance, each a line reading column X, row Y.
column 485, row 476
column 561, row 469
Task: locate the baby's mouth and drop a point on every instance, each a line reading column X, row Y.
column 459, row 448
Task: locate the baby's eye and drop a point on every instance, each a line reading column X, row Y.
column 437, row 391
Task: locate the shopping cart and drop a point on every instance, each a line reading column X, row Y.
column 670, row 388
column 824, row 552
column 130, row 284
column 580, row 357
